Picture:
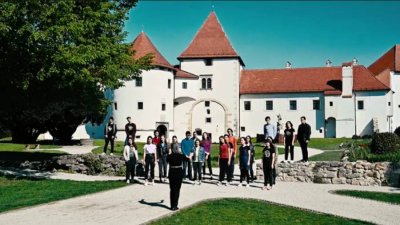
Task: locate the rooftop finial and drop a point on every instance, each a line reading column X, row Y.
column 142, row 28
column 212, row 8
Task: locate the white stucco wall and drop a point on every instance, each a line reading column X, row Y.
column 395, row 85
column 254, row 119
column 153, row 92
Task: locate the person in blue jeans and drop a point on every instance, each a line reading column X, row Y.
column 198, row 159
column 187, row 145
column 244, row 161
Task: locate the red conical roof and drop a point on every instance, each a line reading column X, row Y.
column 142, row 46
column 210, row 42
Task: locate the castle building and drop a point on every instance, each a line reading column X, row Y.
column 211, row 90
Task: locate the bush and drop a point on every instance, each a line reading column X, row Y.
column 397, row 131
column 384, row 143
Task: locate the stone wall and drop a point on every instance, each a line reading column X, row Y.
column 354, row 173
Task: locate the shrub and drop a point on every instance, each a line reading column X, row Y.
column 397, row 131
column 384, row 142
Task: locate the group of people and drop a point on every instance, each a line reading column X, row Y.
column 189, row 158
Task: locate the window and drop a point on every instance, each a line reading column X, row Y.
column 208, row 111
column 208, row 62
column 207, row 103
column 140, row 105
column 163, row 107
column 269, row 105
column 247, row 105
column 293, row 105
column 316, row 105
column 209, row 83
column 243, row 128
column 360, row 105
column 330, row 103
column 139, row 81
column 389, row 103
column 169, row 83
column 206, row 82
column 176, row 103
column 184, row 85
column 115, row 106
column 208, row 119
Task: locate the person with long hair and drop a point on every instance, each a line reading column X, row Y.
column 175, row 159
column 233, row 141
column 131, row 157
column 232, row 155
column 162, row 152
column 198, row 160
column 252, row 157
column 288, row 137
column 244, row 161
column 268, row 163
column 149, row 159
column 206, row 143
column 224, row 158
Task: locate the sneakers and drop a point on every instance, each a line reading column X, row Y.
column 111, row 153
column 103, row 154
column 146, row 183
column 247, row 185
column 240, row 185
column 152, row 183
column 127, row 181
column 199, row 182
column 219, row 183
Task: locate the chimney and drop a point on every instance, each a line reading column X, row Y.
column 328, row 63
column 355, row 61
column 288, row 65
column 347, row 79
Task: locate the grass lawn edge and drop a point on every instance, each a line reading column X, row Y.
column 337, row 192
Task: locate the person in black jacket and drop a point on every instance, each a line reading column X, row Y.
column 303, row 136
column 110, row 130
column 175, row 159
column 162, row 152
column 130, row 130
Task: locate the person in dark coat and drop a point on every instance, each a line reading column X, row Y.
column 268, row 159
column 162, row 152
column 110, row 131
column 303, row 136
column 130, row 130
column 175, row 160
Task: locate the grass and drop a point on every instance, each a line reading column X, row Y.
column 326, row 143
column 241, row 211
column 393, row 198
column 327, row 156
column 7, row 145
column 18, row 193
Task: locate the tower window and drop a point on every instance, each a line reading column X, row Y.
column 208, row 119
column 269, row 105
column 163, row 107
column 115, row 106
column 243, row 129
column 169, row 83
column 293, row 105
column 207, row 103
column 139, row 81
column 360, row 105
column 330, row 103
column 247, row 105
column 208, row 62
column 209, row 83
column 140, row 105
column 208, row 111
column 316, row 105
column 184, row 85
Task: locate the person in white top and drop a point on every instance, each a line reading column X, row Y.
column 149, row 159
column 131, row 157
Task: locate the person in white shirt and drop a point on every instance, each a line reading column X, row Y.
column 149, row 159
column 131, row 157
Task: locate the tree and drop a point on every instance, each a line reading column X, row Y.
column 56, row 59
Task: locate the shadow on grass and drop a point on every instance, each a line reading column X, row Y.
column 27, row 156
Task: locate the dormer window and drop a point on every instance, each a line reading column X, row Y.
column 208, row 62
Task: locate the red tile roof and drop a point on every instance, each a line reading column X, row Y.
column 184, row 74
column 142, row 46
column 389, row 60
column 210, row 42
column 384, row 77
column 319, row 79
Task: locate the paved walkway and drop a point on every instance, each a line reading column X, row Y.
column 137, row 204
column 73, row 149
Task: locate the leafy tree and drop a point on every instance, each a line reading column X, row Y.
column 57, row 58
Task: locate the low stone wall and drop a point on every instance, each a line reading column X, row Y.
column 91, row 164
column 354, row 173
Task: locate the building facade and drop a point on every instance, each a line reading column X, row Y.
column 210, row 90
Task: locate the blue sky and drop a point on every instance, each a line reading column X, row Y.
column 266, row 34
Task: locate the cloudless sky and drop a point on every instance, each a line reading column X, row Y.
column 266, row 34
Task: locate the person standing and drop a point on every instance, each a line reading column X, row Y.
column 233, row 142
column 162, row 152
column 187, row 145
column 244, row 161
column 303, row 137
column 198, row 160
column 149, row 158
column 110, row 131
column 156, row 139
column 269, row 129
column 268, row 164
column 232, row 154
column 223, row 159
column 175, row 159
column 206, row 144
column 288, row 139
column 130, row 130
column 252, row 157
column 131, row 157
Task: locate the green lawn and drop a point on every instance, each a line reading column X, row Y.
column 393, row 198
column 7, row 145
column 18, row 193
column 326, row 143
column 327, row 156
column 241, row 211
